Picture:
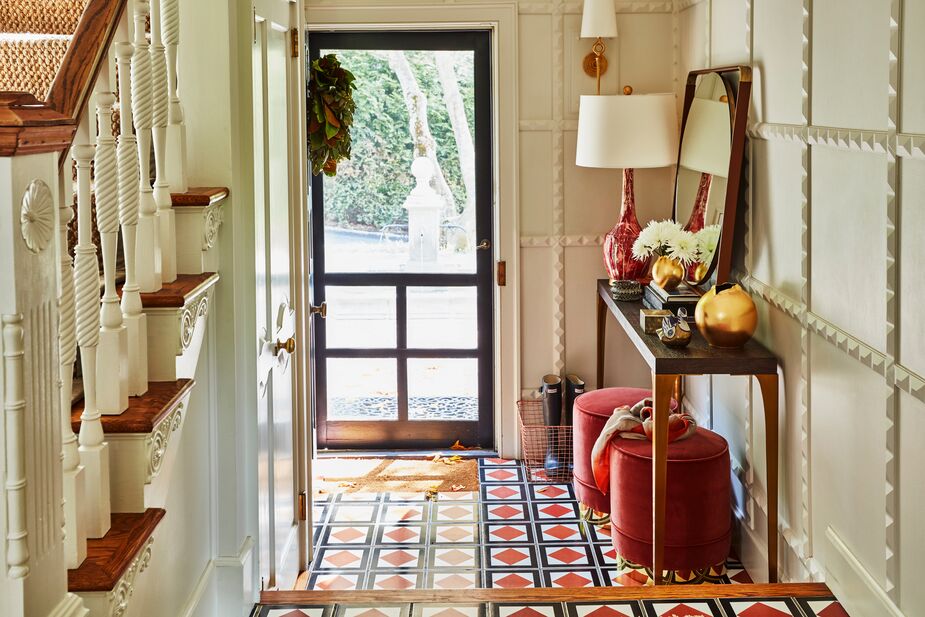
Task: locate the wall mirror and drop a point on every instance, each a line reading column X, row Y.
column 710, row 157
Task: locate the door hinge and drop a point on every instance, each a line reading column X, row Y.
column 303, row 512
column 294, row 42
column 502, row 273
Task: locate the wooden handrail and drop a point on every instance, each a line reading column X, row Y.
column 29, row 126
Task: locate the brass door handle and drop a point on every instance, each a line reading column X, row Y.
column 289, row 346
column 320, row 310
column 484, row 245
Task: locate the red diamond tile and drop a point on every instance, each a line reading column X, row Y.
column 567, row 555
column 573, row 579
column 404, row 514
column 832, row 610
column 295, row 613
column 506, row 511
column 683, row 610
column 341, row 559
column 740, row 577
column 516, row 581
column 760, row 609
column 550, row 492
column 401, row 534
column 394, row 582
column 503, row 492
column 556, row 510
column 500, row 474
column 398, row 558
column 454, row 534
column 348, row 534
column 507, row 532
column 560, row 532
column 631, row 578
column 500, row 461
column 511, row 556
column 373, row 612
column 336, row 583
column 453, row 581
column 609, row 611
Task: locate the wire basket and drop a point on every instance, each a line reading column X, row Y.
column 537, row 440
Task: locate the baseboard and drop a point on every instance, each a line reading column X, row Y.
column 191, row 606
column 70, row 606
column 855, row 587
column 236, row 589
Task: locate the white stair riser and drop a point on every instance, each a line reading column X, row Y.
column 175, row 339
column 197, row 238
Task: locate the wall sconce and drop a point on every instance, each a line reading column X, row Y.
column 598, row 21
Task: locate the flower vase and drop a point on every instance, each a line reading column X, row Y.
column 667, row 272
column 618, row 243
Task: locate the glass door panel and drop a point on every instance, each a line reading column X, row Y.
column 402, row 246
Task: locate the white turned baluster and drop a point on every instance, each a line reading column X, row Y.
column 127, row 156
column 112, row 353
column 165, row 215
column 176, row 129
column 94, row 452
column 75, row 530
column 14, row 424
column 148, row 249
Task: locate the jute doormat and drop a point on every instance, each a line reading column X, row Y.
column 383, row 475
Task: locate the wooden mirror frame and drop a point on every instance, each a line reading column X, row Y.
column 721, row 264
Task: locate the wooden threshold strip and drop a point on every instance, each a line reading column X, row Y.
column 468, row 596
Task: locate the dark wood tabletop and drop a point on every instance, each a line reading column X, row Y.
column 698, row 358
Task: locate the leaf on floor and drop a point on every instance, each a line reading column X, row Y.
column 452, row 460
column 347, row 484
column 458, row 487
column 458, row 446
column 431, row 493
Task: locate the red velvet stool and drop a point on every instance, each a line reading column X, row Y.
column 592, row 410
column 698, row 514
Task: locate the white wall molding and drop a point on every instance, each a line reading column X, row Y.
column 194, row 601
column 849, row 579
column 563, row 241
column 683, row 5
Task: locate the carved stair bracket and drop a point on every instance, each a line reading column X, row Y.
column 176, row 325
column 199, row 213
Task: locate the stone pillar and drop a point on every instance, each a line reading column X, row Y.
column 424, row 206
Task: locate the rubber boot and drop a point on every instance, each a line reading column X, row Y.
column 552, row 416
column 574, row 387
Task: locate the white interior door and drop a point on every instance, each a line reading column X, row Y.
column 283, row 474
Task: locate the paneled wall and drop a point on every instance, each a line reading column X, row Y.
column 565, row 210
column 837, row 175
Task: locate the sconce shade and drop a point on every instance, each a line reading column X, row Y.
column 623, row 132
column 598, row 19
column 707, row 138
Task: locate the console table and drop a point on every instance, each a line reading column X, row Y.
column 668, row 365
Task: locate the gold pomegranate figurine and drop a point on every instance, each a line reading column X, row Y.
column 667, row 272
column 726, row 316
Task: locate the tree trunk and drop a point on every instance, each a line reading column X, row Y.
column 421, row 137
column 464, row 146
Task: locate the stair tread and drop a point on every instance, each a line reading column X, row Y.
column 109, row 557
column 199, row 196
column 144, row 412
column 173, row 295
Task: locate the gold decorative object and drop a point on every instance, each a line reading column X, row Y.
column 595, row 63
column 675, row 331
column 627, row 90
column 667, row 272
column 700, row 272
column 726, row 316
column 650, row 320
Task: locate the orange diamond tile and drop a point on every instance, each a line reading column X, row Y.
column 454, row 556
column 336, row 583
column 394, row 582
column 398, row 558
column 500, row 474
column 454, row 581
column 510, row 556
column 550, row 492
column 455, row 534
column 506, row 511
column 341, row 558
column 560, row 532
column 567, row 555
column 348, row 534
column 556, row 510
column 401, row 534
column 503, row 492
column 513, row 581
column 573, row 580
column 609, row 611
column 456, row 512
column 508, row 532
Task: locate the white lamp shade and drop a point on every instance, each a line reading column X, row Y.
column 636, row 131
column 598, row 19
column 707, row 138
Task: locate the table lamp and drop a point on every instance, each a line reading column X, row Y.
column 598, row 21
column 626, row 132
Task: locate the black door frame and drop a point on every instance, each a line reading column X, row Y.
column 403, row 433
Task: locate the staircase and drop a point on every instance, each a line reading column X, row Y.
column 91, row 85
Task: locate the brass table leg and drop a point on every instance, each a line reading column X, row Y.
column 662, row 389
column 769, row 396
column 601, row 332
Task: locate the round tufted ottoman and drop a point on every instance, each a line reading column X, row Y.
column 698, row 514
column 592, row 410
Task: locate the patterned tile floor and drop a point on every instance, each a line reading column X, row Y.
column 511, row 534
column 703, row 607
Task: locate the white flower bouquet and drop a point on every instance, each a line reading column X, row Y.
column 707, row 240
column 666, row 239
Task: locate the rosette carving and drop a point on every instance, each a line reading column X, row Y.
column 36, row 216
